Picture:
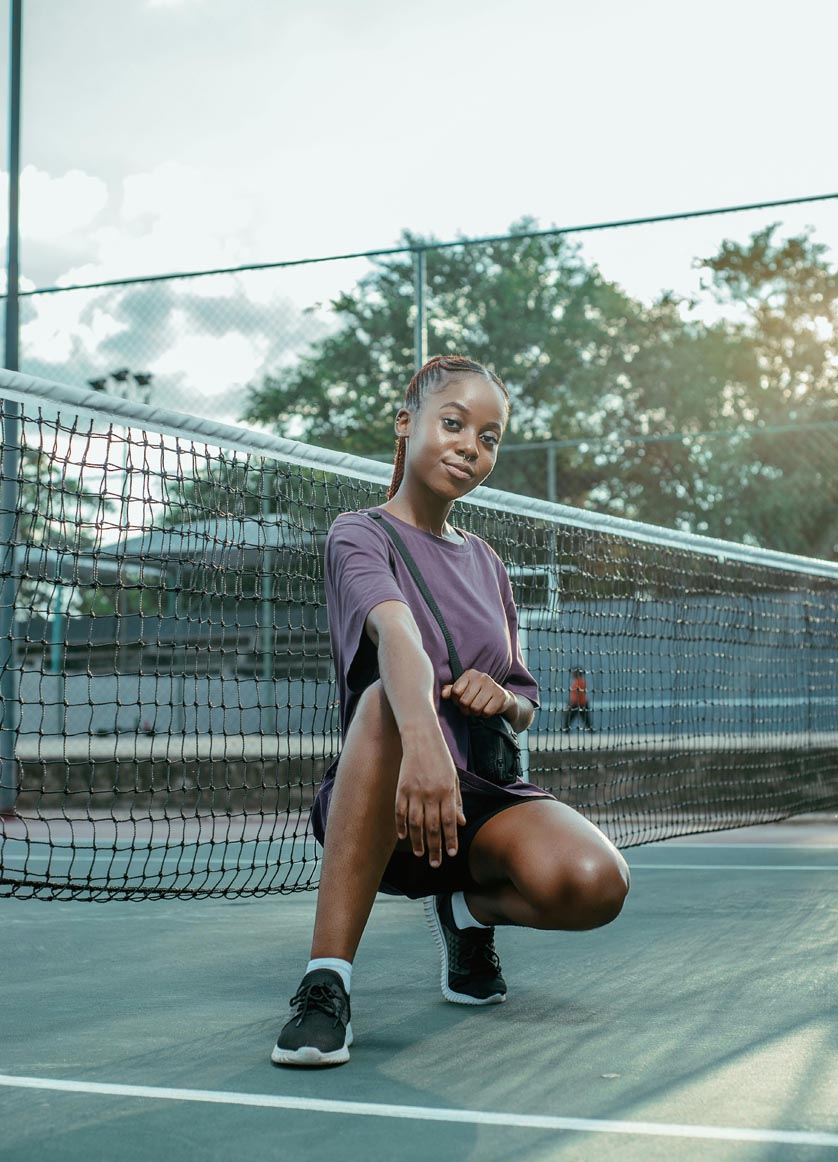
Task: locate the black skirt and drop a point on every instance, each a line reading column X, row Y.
column 410, row 875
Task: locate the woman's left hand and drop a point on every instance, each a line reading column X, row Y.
column 479, row 695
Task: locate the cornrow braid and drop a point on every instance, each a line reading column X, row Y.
column 430, row 377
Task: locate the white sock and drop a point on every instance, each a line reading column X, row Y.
column 462, row 917
column 342, row 967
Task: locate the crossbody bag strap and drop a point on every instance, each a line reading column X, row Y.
column 413, row 569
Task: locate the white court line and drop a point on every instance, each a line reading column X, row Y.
column 760, row 867
column 660, row 844
column 429, row 1114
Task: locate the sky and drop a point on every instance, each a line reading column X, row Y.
column 166, row 135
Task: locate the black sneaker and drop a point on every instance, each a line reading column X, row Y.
column 470, row 967
column 319, row 1032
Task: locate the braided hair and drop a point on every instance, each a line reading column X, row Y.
column 431, row 377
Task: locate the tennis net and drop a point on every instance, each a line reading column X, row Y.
column 168, row 704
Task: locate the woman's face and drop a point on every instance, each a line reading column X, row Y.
column 453, row 439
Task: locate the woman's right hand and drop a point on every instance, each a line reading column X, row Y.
column 428, row 801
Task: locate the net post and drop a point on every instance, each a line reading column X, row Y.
column 420, row 325
column 9, row 667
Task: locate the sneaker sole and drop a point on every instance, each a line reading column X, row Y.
column 311, row 1056
column 435, row 925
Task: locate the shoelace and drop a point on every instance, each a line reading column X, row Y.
column 476, row 951
column 320, row 998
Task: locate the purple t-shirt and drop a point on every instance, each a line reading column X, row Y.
column 471, row 587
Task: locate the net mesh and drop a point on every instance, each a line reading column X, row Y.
column 168, row 698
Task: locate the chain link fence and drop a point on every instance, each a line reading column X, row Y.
column 665, row 408
column 196, row 340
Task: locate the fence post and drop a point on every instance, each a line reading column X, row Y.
column 267, row 643
column 551, row 471
column 11, row 461
column 420, row 326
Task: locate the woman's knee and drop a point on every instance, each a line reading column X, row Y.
column 602, row 885
column 586, row 892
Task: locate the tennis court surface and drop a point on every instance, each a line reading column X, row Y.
column 700, row 1025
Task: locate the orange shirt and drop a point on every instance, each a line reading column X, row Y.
column 578, row 692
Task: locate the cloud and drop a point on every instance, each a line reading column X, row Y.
column 197, row 348
column 203, row 339
column 209, row 204
column 217, row 363
column 173, row 218
column 53, row 207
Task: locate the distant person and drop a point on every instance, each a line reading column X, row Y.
column 399, row 810
column 577, row 703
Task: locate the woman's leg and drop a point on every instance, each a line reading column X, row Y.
column 361, row 829
column 540, row 864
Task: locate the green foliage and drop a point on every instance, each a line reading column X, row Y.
column 787, row 293
column 785, row 491
column 208, row 485
column 661, row 414
column 55, row 509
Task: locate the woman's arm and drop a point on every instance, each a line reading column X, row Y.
column 480, row 695
column 520, row 712
column 428, row 803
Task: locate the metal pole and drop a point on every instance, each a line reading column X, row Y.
column 11, row 457
column 58, row 610
column 420, row 326
column 9, row 666
column 551, row 472
column 266, row 617
column 13, row 263
column 178, row 685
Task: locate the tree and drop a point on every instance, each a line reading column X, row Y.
column 581, row 358
column 588, row 365
column 524, row 306
column 57, row 514
column 117, row 383
column 786, row 291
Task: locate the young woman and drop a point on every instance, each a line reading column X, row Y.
column 400, row 811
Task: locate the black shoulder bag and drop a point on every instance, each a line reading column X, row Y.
column 494, row 751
